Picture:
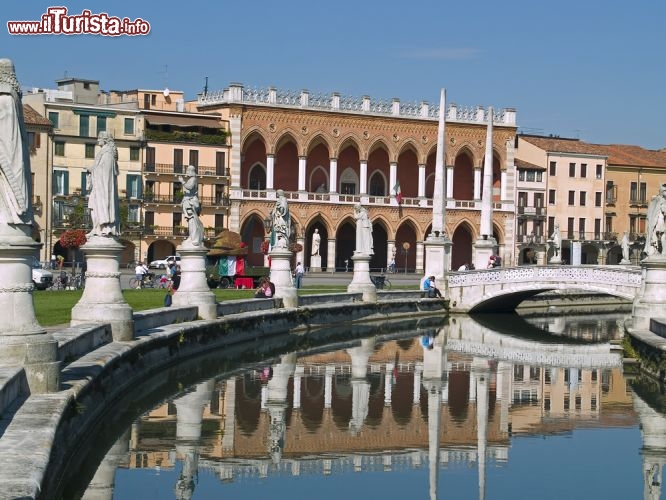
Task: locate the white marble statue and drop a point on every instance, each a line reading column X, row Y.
column 281, row 221
column 192, row 207
column 655, row 238
column 316, row 240
column 556, row 240
column 15, row 196
column 364, row 244
column 625, row 247
column 103, row 199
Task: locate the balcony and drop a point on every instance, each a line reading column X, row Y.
column 177, row 231
column 590, row 236
column 177, row 198
column 171, row 169
column 531, row 212
column 531, row 238
column 186, row 137
column 636, row 201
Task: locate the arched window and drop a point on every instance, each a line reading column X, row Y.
column 257, row 177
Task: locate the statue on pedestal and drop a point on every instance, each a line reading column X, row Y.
column 316, row 240
column 364, row 244
column 15, row 196
column 625, row 247
column 103, row 199
column 655, row 238
column 556, row 241
column 281, row 221
column 192, row 207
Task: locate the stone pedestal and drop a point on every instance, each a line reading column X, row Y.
column 437, row 250
column 315, row 263
column 23, row 342
column 483, row 249
column 650, row 302
column 281, row 277
column 576, row 253
column 361, row 281
column 625, row 262
column 102, row 300
column 193, row 289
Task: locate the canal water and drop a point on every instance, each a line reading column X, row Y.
column 490, row 407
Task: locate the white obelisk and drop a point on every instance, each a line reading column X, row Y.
column 485, row 244
column 437, row 245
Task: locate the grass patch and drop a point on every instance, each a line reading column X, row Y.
column 55, row 307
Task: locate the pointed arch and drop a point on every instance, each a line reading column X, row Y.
column 252, row 233
column 253, row 152
column 463, row 238
column 256, row 177
column 463, row 175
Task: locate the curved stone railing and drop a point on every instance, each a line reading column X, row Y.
column 469, row 289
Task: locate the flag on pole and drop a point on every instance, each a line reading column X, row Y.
column 398, row 192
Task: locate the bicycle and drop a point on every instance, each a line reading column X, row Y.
column 60, row 282
column 147, row 281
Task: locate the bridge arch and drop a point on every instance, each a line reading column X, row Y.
column 502, row 289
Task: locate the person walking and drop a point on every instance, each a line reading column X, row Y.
column 298, row 274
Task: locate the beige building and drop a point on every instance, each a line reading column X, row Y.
column 596, row 192
column 77, row 120
column 156, row 137
column 174, row 135
column 633, row 177
column 574, row 194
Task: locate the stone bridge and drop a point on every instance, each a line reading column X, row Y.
column 502, row 289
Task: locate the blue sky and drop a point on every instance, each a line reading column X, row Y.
column 592, row 69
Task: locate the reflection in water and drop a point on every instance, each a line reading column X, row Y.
column 460, row 395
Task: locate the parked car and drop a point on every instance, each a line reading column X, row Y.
column 164, row 263
column 42, row 278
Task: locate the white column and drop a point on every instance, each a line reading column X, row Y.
column 333, row 173
column 503, row 195
column 420, row 260
column 576, row 250
column 449, row 182
column 422, row 172
column 477, row 183
column 330, row 260
column 388, row 374
column 328, row 386
column 298, row 376
column 393, row 177
column 301, row 173
column 416, row 398
column 270, row 171
column 229, row 414
column 363, row 181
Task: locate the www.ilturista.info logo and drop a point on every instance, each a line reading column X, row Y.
column 56, row 22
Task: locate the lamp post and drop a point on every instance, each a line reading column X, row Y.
column 405, row 249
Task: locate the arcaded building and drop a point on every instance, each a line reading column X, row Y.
column 329, row 152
